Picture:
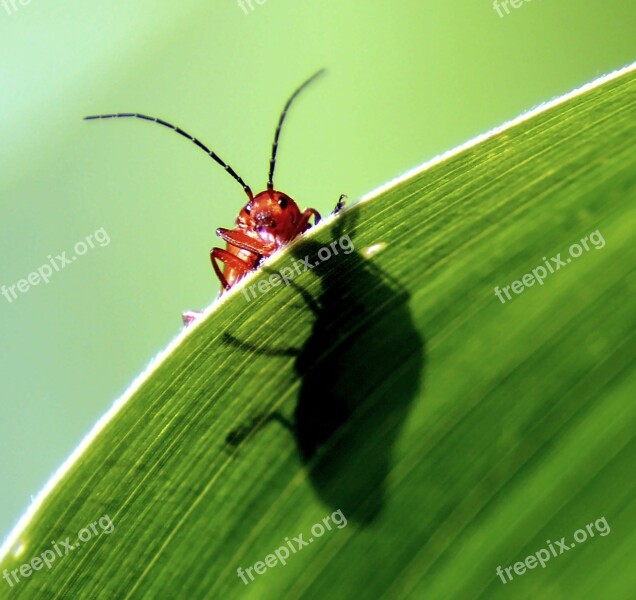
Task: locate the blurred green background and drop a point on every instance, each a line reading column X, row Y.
column 405, row 82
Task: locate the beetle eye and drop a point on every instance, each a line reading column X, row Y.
column 248, row 209
column 282, row 202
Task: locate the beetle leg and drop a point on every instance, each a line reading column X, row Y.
column 245, row 242
column 229, row 259
column 340, row 204
column 190, row 315
column 302, row 224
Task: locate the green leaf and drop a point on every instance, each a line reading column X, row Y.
column 453, row 431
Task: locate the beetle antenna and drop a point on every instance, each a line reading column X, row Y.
column 180, row 131
column 272, row 162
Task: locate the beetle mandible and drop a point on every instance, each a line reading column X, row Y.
column 270, row 219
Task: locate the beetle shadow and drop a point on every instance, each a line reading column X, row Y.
column 348, row 416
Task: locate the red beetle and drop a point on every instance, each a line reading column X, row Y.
column 269, row 221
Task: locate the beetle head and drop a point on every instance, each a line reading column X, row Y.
column 272, row 215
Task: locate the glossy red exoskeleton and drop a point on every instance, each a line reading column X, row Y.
column 269, row 220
